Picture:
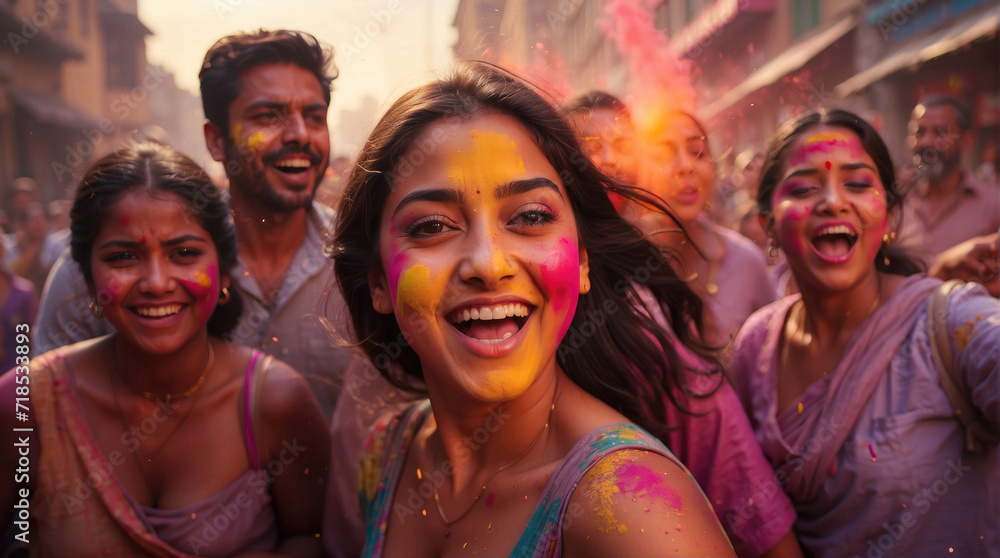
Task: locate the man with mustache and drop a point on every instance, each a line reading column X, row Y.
column 947, row 205
column 265, row 96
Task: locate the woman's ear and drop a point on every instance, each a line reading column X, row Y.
column 381, row 301
column 584, row 271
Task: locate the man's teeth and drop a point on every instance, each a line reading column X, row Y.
column 506, row 336
column 295, row 163
column 159, row 311
column 497, row 312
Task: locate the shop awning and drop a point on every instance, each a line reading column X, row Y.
column 787, row 62
column 52, row 110
column 929, row 47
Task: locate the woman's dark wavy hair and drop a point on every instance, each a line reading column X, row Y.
column 613, row 349
column 154, row 168
column 774, row 159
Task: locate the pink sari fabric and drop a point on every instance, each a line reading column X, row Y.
column 79, row 509
column 871, row 455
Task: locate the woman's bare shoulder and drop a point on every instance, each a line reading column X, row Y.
column 640, row 503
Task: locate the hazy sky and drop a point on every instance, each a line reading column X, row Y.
column 378, row 52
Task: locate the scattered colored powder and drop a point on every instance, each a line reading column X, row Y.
column 420, row 476
column 142, row 239
column 490, row 498
column 826, row 142
column 800, row 408
column 603, row 487
column 643, row 481
column 256, row 140
column 964, row 334
column 871, row 449
column 203, row 279
column 490, row 527
column 424, row 512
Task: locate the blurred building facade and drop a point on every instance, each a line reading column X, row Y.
column 756, row 63
column 75, row 84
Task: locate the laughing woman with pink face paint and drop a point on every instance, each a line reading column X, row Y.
column 843, row 383
column 495, row 274
column 162, row 439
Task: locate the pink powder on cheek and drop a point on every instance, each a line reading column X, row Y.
column 394, row 268
column 108, row 286
column 643, row 481
column 560, row 279
column 203, row 288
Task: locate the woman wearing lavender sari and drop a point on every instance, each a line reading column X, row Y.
column 840, row 381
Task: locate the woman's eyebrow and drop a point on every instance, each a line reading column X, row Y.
column 445, row 195
column 521, row 186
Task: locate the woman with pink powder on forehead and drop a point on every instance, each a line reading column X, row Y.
column 841, row 382
column 491, row 270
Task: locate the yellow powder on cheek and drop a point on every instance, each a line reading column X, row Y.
column 256, row 140
column 236, row 134
column 203, row 279
column 415, row 290
column 491, row 159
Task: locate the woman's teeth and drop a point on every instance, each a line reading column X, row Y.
column 497, row 312
column 159, row 311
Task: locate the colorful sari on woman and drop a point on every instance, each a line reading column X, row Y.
column 872, row 455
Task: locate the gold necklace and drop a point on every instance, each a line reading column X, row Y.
column 188, row 392
column 437, row 497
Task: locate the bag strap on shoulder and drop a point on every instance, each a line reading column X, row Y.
column 952, row 382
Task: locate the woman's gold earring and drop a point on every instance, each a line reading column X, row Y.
column 885, row 248
column 95, row 310
column 224, row 299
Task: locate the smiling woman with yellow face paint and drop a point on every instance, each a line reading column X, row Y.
column 485, row 270
column 841, row 381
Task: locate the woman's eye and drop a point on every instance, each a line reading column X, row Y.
column 188, row 253
column 858, row 184
column 534, row 217
column 119, row 257
column 428, row 226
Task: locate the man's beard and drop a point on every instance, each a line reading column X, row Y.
column 255, row 183
column 933, row 164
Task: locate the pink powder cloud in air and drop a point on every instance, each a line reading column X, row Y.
column 660, row 82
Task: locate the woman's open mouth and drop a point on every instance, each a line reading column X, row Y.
column 490, row 324
column 834, row 242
